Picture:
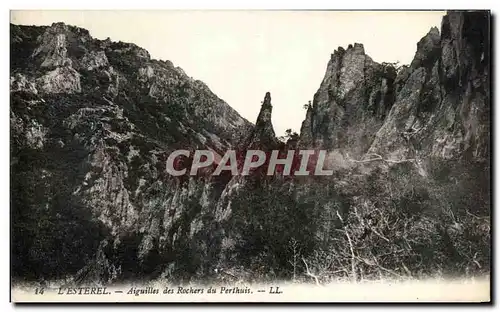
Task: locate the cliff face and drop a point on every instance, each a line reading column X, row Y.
column 405, row 145
column 262, row 138
column 352, row 102
column 411, row 142
column 63, row 60
column 438, row 106
column 92, row 124
column 443, row 107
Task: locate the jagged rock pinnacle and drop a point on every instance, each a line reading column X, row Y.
column 265, row 111
column 263, row 133
column 267, row 99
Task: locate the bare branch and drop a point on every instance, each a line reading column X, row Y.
column 379, row 158
column 380, row 235
column 338, row 215
column 389, row 271
column 308, row 273
column 353, row 258
column 406, row 269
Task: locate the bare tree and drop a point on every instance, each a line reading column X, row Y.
column 295, row 250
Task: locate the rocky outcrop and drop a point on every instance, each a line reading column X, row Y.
column 442, row 108
column 94, row 60
column 19, row 82
column 261, row 138
column 351, row 104
column 263, row 133
column 100, row 118
column 412, row 143
column 66, row 59
column 52, row 49
column 60, row 80
column 436, row 106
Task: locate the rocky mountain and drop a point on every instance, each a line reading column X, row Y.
column 410, row 150
column 352, row 102
column 436, row 106
column 93, row 122
column 410, row 142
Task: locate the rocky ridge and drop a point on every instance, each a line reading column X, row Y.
column 102, row 117
column 93, row 121
column 437, row 106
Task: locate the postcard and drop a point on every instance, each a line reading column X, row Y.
column 250, row 156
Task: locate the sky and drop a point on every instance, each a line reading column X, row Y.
column 241, row 55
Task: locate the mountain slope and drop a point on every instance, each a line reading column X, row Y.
column 92, row 123
column 439, row 105
column 410, row 192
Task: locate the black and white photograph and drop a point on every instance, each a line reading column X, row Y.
column 250, row 156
